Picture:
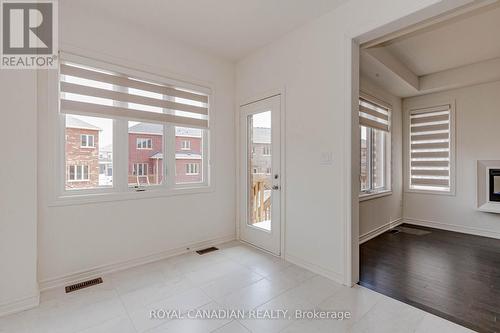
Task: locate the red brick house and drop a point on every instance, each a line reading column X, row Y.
column 146, row 154
column 82, row 154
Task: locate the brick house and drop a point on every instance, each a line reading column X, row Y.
column 82, row 154
column 146, row 157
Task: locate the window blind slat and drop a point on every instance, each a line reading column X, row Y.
column 373, row 124
column 430, row 164
column 130, row 83
column 430, row 172
column 430, row 154
column 83, row 108
column 130, row 98
column 431, row 182
column 373, row 115
column 436, row 145
column 436, row 136
column 430, row 128
column 431, row 119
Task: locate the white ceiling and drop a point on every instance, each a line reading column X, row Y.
column 466, row 41
column 228, row 28
column 470, row 39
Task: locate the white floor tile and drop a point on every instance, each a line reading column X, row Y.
column 236, row 277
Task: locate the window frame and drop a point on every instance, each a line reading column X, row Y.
column 87, row 136
column 408, row 107
column 195, row 167
column 60, row 196
column 148, row 141
column 185, row 147
column 372, row 192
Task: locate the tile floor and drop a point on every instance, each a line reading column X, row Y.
column 235, row 277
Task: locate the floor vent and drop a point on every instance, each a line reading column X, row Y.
column 207, row 250
column 84, row 284
column 393, row 231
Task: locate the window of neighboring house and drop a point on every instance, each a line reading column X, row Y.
column 143, row 143
column 266, row 150
column 430, row 149
column 87, row 141
column 77, row 173
column 148, row 107
column 140, row 169
column 186, row 145
column 192, row 169
column 268, row 171
column 375, row 140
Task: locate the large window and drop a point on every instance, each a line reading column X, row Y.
column 167, row 138
column 375, row 139
column 430, row 149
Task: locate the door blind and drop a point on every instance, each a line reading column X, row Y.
column 374, row 115
column 430, row 137
column 94, row 92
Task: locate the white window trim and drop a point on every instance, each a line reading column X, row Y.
column 387, row 190
column 59, row 196
column 82, row 180
column 406, row 146
column 145, row 169
column 87, row 140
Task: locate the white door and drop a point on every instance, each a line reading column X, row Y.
column 260, row 222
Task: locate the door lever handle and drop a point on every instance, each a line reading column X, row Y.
column 276, row 187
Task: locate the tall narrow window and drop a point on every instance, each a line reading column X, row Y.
column 430, row 154
column 375, row 122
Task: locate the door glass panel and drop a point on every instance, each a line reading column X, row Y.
column 259, row 170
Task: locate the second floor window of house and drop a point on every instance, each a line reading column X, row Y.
column 186, row 145
column 143, row 143
column 375, row 125
column 86, row 141
column 99, row 101
column 192, row 169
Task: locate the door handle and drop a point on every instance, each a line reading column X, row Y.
column 276, row 187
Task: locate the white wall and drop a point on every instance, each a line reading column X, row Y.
column 313, row 64
column 375, row 214
column 79, row 238
column 477, row 117
column 18, row 206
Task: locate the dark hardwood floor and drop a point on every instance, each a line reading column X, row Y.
column 452, row 275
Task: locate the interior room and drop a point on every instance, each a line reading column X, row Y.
column 429, row 223
column 249, row 166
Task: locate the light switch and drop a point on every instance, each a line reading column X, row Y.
column 326, row 158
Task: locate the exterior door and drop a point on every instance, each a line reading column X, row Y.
column 260, row 222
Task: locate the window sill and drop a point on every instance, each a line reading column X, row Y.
column 150, row 193
column 374, row 195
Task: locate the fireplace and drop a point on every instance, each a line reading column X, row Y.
column 494, row 185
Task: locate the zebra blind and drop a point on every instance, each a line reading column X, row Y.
column 374, row 115
column 94, row 92
column 430, row 148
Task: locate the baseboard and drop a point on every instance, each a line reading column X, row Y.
column 453, row 227
column 22, row 304
column 380, row 230
column 315, row 268
column 115, row 267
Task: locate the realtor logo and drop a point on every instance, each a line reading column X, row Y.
column 29, row 34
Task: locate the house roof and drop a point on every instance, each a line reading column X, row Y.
column 157, row 129
column 261, row 135
column 73, row 122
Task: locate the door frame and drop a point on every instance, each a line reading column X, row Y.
column 240, row 173
column 351, row 73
